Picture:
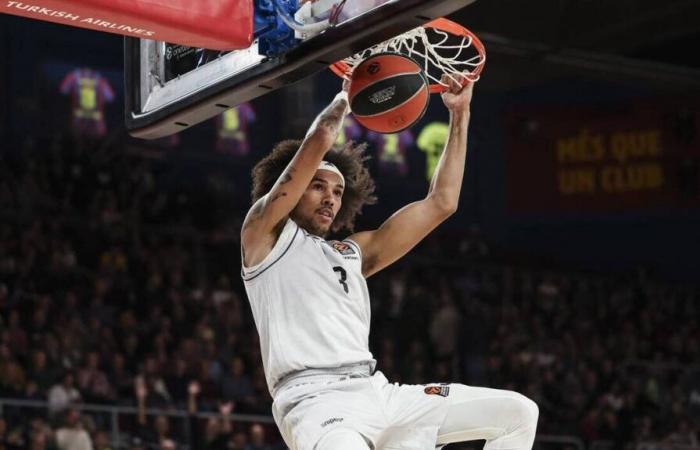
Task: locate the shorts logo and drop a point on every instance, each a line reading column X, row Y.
column 332, row 420
column 343, row 249
column 442, row 391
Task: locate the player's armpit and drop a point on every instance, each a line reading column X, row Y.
column 399, row 234
column 256, row 242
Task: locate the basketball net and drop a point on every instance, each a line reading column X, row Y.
column 440, row 47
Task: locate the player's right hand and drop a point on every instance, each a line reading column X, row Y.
column 456, row 98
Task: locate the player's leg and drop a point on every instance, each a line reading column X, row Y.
column 505, row 419
column 342, row 439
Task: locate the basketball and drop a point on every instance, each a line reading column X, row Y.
column 388, row 93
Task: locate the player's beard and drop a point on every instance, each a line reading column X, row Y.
column 312, row 227
column 304, row 217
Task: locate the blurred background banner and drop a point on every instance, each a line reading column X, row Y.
column 626, row 156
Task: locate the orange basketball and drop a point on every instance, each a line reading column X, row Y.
column 388, row 92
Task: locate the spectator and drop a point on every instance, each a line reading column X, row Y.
column 72, row 435
column 474, row 245
column 93, row 382
column 236, row 385
column 119, row 378
column 32, row 392
column 683, row 435
column 5, row 442
column 137, row 444
column 257, row 438
column 101, row 441
column 12, row 379
column 167, row 444
column 63, row 394
column 16, row 334
column 239, row 441
column 178, row 381
column 40, row 372
column 40, row 435
column 158, row 395
column 445, row 326
column 218, row 430
column 160, row 432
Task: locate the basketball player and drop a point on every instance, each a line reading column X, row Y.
column 311, row 305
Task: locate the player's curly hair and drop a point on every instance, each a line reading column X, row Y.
column 348, row 158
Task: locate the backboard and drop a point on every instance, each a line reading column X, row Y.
column 170, row 87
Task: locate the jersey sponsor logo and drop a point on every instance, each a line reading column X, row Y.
column 331, row 421
column 342, row 248
column 442, row 391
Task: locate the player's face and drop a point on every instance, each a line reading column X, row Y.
column 320, row 203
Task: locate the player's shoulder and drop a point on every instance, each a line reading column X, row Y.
column 280, row 248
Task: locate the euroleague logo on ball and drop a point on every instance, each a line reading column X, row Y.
column 388, row 92
column 374, row 68
column 383, row 95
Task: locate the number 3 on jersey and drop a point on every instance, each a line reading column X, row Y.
column 343, row 277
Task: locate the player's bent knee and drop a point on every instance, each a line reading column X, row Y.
column 528, row 411
column 342, row 439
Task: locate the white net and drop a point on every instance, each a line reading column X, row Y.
column 438, row 52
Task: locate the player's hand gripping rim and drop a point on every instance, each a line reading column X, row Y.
column 456, row 98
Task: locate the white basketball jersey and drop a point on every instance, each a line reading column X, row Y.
column 310, row 304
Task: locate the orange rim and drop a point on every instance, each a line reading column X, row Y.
column 344, row 70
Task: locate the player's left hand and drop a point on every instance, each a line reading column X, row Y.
column 456, row 98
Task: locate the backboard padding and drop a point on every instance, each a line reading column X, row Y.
column 206, row 97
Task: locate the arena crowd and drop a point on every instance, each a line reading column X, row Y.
column 119, row 286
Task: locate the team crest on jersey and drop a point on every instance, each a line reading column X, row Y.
column 442, row 391
column 343, row 249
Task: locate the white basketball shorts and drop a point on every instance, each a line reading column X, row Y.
column 391, row 416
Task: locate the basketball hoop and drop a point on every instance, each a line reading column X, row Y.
column 440, row 47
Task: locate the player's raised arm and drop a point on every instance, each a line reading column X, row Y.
column 265, row 218
column 408, row 226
